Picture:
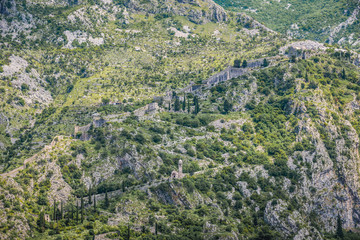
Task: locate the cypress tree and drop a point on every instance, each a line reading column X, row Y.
column 77, row 211
column 54, row 211
column 89, row 192
column 106, row 200
column 177, row 104
column 184, row 103
column 339, row 228
column 156, row 228
column 61, row 210
column 41, row 221
column 58, row 214
column 237, row 63
column 82, row 209
column 67, row 218
column 188, row 106
column 343, row 74
column 128, row 233
column 244, row 64
column 72, row 212
column 196, row 103
column 265, row 63
column 227, row 106
column 170, row 106
column 94, row 203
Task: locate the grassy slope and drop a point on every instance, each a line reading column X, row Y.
column 314, row 18
column 84, row 76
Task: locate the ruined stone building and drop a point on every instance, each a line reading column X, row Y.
column 177, row 174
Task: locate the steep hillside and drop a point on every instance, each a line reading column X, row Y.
column 172, row 120
column 75, row 59
column 326, row 21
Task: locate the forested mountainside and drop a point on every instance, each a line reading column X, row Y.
column 334, row 21
column 130, row 119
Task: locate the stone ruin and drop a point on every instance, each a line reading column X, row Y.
column 177, row 174
column 152, row 107
column 303, row 49
column 82, row 132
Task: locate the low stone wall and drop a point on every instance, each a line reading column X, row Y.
column 227, row 74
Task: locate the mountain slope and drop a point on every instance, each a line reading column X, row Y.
column 325, row 21
column 101, row 100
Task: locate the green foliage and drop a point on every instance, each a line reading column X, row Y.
column 237, row 63
column 311, row 17
column 202, row 185
column 177, row 105
column 339, row 228
column 24, row 87
column 227, row 106
column 244, row 64
column 41, row 222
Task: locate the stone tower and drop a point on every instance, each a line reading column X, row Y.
column 179, row 174
column 180, row 169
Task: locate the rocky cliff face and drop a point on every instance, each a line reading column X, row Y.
column 197, row 11
column 334, row 184
column 7, row 7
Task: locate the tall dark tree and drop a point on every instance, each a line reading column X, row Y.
column 61, row 210
column 227, row 106
column 237, row 63
column 82, row 209
column 106, row 200
column 77, row 211
column 184, row 103
column 244, row 64
column 41, row 221
column 197, row 107
column 72, row 211
column 188, row 105
column 265, row 63
column 170, row 106
column 58, row 214
column 54, row 214
column 156, row 228
column 196, row 104
column 339, row 228
column 94, row 203
column 89, row 192
column 343, row 73
column 128, row 232
column 177, row 104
